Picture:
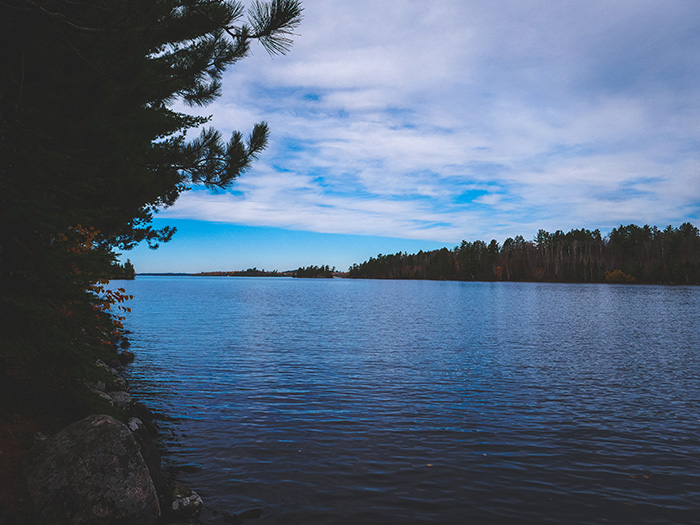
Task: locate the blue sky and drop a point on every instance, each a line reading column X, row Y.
column 403, row 125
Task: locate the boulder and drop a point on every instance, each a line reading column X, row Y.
column 120, row 399
column 149, row 452
column 91, row 472
column 113, row 363
column 118, row 384
column 126, row 357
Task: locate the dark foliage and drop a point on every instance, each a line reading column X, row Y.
column 91, row 147
column 250, row 272
column 124, row 271
column 315, row 271
column 629, row 254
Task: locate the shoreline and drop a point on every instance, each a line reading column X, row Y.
column 31, row 450
column 223, row 274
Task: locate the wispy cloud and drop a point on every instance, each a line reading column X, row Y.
column 446, row 120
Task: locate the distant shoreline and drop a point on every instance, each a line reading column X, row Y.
column 165, row 274
column 344, row 275
column 290, row 273
column 215, row 274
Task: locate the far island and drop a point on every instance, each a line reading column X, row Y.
column 314, row 272
column 250, row 272
column 323, row 272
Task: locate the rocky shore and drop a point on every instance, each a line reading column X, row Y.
column 103, row 470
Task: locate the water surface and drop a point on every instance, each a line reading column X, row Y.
column 361, row 401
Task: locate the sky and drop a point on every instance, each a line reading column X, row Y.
column 407, row 125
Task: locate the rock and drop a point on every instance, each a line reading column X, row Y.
column 105, row 396
column 97, row 386
column 142, row 412
column 124, row 343
column 119, row 384
column 126, row 357
column 136, row 426
column 149, row 452
column 104, row 365
column 120, row 399
column 91, row 472
column 184, row 503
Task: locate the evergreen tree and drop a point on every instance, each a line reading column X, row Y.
column 630, row 254
column 314, row 272
column 91, row 147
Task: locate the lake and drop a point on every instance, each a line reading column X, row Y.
column 336, row 401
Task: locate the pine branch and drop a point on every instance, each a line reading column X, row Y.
column 273, row 22
column 257, row 141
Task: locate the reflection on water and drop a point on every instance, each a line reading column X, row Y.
column 343, row 401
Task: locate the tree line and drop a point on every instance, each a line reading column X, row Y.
column 628, row 254
column 125, row 271
column 315, row 272
column 250, row 272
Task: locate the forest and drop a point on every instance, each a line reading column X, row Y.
column 629, row 254
column 312, row 271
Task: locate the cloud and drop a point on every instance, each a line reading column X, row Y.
column 448, row 120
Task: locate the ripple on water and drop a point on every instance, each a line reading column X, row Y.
column 407, row 402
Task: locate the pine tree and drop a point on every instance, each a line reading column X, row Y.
column 91, row 147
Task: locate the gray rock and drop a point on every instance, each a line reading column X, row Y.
column 120, row 399
column 105, row 396
column 119, row 384
column 105, row 366
column 97, row 386
column 184, row 502
column 91, row 472
column 142, row 412
column 149, row 452
column 136, row 425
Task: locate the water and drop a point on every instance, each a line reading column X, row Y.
column 359, row 401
